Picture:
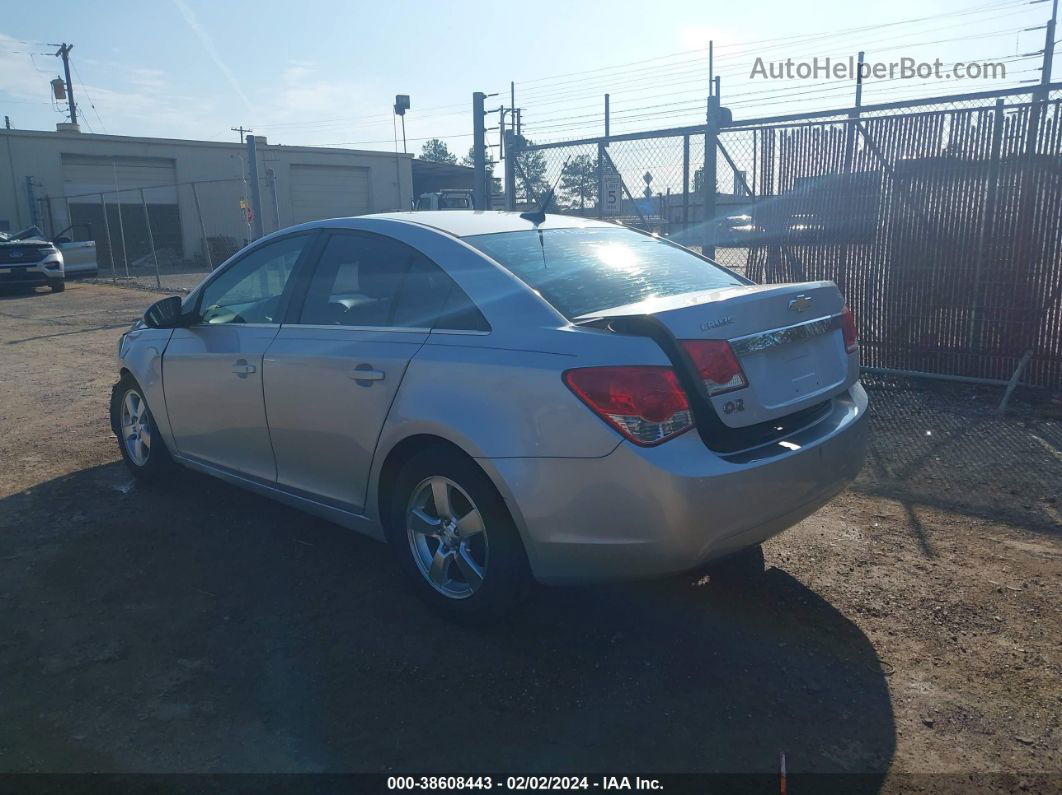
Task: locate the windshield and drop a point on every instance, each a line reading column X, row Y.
column 582, row 271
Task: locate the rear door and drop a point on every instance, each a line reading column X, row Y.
column 212, row 371
column 333, row 371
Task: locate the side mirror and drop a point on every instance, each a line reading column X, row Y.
column 60, row 240
column 165, row 313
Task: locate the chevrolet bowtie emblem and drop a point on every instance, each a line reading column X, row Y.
column 800, row 303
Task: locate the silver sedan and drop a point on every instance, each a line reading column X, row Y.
column 504, row 398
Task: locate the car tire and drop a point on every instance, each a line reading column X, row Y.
column 739, row 570
column 484, row 571
column 139, row 440
column 57, row 285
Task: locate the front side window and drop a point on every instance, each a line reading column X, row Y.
column 251, row 290
column 586, row 270
column 375, row 281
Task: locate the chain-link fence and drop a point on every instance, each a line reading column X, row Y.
column 940, row 221
column 160, row 236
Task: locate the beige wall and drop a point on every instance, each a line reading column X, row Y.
column 35, row 154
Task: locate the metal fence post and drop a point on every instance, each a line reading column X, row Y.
column 511, row 151
column 151, row 239
column 850, row 129
column 107, row 230
column 708, row 178
column 202, row 227
column 121, row 221
column 600, row 179
column 272, row 175
column 987, row 221
column 685, row 186
column 479, row 163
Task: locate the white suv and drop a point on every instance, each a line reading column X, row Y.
column 28, row 259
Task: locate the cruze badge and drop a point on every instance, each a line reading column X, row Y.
column 800, row 303
column 723, row 321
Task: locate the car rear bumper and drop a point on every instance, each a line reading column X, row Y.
column 10, row 275
column 641, row 512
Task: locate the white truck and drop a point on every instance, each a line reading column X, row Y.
column 446, row 199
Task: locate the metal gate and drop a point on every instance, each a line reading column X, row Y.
column 941, row 221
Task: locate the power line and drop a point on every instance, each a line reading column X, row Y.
column 697, row 71
column 788, row 39
column 84, row 87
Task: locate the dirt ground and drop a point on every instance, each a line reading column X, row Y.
column 911, row 627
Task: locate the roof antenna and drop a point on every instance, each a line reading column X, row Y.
column 538, row 216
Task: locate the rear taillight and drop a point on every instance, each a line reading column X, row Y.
column 848, row 328
column 645, row 404
column 716, row 364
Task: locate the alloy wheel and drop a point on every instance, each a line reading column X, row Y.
column 136, row 428
column 447, row 537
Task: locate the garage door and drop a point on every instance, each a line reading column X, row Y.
column 120, row 180
column 328, row 192
column 89, row 175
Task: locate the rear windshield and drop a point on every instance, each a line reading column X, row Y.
column 583, row 271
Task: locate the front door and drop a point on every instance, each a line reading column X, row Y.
column 332, row 374
column 212, row 371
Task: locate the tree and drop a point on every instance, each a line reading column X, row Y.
column 469, row 160
column 436, row 151
column 578, row 182
column 531, row 174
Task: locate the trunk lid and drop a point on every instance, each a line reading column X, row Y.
column 787, row 338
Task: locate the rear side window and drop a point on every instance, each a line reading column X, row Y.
column 583, row 271
column 375, row 281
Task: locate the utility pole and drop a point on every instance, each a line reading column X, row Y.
column 1042, row 92
column 7, row 122
column 1049, row 52
column 711, row 66
column 242, row 131
column 64, row 53
column 256, row 187
column 479, row 164
column 853, row 116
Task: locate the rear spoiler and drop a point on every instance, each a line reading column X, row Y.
column 716, row 434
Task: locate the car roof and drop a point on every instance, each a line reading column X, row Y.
column 462, row 223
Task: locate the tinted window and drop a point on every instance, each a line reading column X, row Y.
column 582, row 271
column 250, row 290
column 368, row 280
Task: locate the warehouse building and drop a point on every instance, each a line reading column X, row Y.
column 190, row 200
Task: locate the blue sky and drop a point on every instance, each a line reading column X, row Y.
column 322, row 72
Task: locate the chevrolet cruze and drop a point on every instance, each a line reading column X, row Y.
column 503, row 398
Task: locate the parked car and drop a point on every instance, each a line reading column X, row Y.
column 79, row 256
column 569, row 401
column 28, row 259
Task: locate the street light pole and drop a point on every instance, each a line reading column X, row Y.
column 400, row 107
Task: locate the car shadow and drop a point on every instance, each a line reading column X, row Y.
column 9, row 292
column 197, row 627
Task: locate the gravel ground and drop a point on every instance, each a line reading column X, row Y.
column 910, row 627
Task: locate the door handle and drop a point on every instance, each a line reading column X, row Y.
column 365, row 372
column 242, row 369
